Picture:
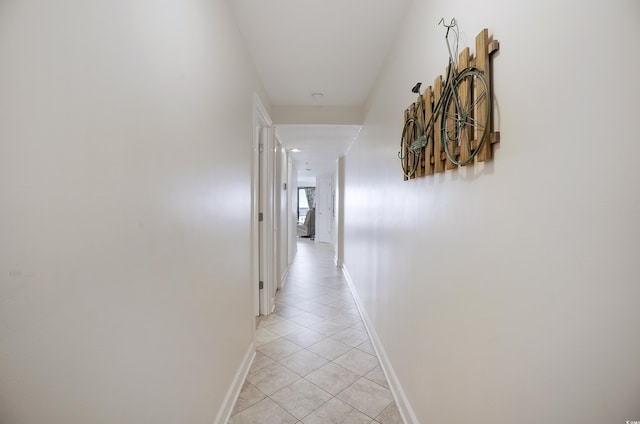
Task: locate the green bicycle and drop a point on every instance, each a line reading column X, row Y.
column 463, row 129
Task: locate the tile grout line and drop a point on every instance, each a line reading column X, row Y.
column 327, row 300
column 311, row 382
column 360, row 376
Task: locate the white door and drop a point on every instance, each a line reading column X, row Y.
column 323, row 209
column 262, row 225
column 282, row 213
column 268, row 223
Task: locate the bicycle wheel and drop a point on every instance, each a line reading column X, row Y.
column 409, row 157
column 465, row 117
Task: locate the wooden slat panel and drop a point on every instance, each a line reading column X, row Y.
column 438, row 151
column 494, row 46
column 482, row 63
column 410, row 132
column 403, row 145
column 432, row 157
column 464, row 89
column 420, row 121
column 428, row 113
column 452, row 147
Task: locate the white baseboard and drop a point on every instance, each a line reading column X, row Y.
column 408, row 416
column 236, row 386
column 284, row 278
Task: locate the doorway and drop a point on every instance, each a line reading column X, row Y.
column 324, row 208
column 261, row 211
column 271, row 214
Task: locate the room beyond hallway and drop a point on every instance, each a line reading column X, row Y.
column 314, row 362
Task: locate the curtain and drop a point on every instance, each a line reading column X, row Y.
column 310, row 192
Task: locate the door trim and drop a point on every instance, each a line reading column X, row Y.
column 261, row 119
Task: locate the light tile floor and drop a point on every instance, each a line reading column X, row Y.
column 314, row 362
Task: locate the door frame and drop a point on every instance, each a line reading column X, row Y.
column 339, row 212
column 262, row 123
column 324, row 208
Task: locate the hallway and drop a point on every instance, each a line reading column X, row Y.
column 314, row 362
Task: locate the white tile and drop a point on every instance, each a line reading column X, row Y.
column 260, row 361
column 341, row 319
column 367, row 396
column 249, row 395
column 306, row 319
column 310, row 306
column 367, row 347
column 357, row 361
column 336, row 412
column 303, row 362
column 269, row 320
column 329, row 348
column 342, row 303
column 272, row 378
column 305, row 338
column 326, row 299
column 301, row 398
column 279, row 349
column 285, row 327
column 390, row 415
column 265, row 411
column 359, row 326
column 351, row 337
column 332, row 378
column 264, row 336
column 315, row 321
column 292, row 300
column 327, row 328
column 286, row 311
column 377, row 376
column 326, row 312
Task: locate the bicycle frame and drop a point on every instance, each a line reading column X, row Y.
column 421, row 136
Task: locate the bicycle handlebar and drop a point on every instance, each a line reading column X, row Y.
column 451, row 25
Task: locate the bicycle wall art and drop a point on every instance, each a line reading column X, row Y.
column 450, row 124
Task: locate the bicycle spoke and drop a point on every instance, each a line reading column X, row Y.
column 463, row 126
column 481, row 97
column 468, row 107
column 471, row 122
column 469, row 149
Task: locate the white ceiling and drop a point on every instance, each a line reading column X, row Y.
column 319, row 145
column 335, row 47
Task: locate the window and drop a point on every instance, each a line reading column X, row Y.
column 303, row 203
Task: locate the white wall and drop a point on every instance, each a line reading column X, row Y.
column 509, row 292
column 125, row 146
column 305, row 181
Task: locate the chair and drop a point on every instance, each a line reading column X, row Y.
column 308, row 228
